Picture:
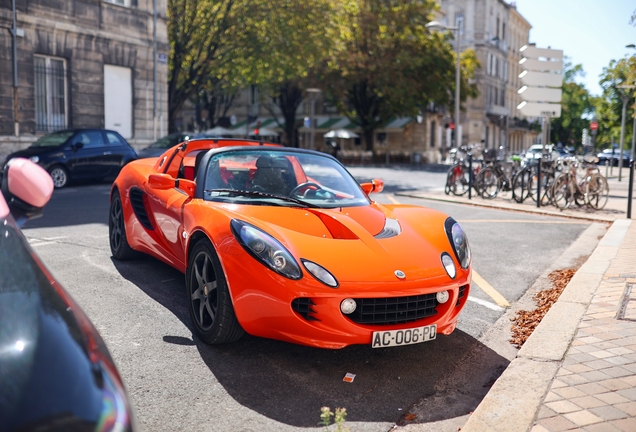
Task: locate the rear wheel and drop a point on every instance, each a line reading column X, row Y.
column 597, row 191
column 457, row 180
column 209, row 299
column 119, row 247
column 59, row 175
column 520, row 186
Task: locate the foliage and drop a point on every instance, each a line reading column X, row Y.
column 339, row 418
column 387, row 63
column 609, row 105
column 577, row 107
column 197, row 32
column 288, row 41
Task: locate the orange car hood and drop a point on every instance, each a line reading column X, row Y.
column 342, row 240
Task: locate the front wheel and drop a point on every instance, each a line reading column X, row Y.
column 520, row 186
column 562, row 194
column 488, row 182
column 209, row 299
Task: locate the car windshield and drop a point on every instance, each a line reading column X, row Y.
column 53, row 139
column 284, row 178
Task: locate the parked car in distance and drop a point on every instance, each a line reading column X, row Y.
column 55, row 371
column 536, row 151
column 79, row 154
column 606, row 156
column 162, row 144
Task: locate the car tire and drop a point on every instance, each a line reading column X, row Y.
column 119, row 247
column 208, row 296
column 59, row 175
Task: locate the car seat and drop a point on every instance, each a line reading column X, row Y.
column 273, row 175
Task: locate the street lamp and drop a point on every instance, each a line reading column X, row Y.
column 634, row 128
column 625, row 96
column 436, row 25
column 313, row 95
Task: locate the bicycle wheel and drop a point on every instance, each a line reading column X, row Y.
column 520, row 183
column 457, row 180
column 562, row 195
column 488, row 182
column 597, row 191
column 546, row 190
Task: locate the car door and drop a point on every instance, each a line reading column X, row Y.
column 86, row 156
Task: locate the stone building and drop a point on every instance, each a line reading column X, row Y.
column 496, row 31
column 82, row 63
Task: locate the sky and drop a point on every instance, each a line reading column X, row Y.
column 590, row 32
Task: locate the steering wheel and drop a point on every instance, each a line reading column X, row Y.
column 304, row 186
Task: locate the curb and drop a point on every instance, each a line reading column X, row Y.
column 514, row 399
column 508, row 207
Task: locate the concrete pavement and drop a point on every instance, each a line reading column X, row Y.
column 577, row 371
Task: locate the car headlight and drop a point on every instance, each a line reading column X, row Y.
column 320, row 273
column 266, row 249
column 34, row 159
column 458, row 241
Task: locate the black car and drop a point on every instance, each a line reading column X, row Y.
column 162, row 144
column 74, row 154
column 55, row 371
column 606, row 155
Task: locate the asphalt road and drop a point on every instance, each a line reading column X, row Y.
column 179, row 383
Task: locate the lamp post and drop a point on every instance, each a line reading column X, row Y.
column 625, row 97
column 436, row 25
column 313, row 95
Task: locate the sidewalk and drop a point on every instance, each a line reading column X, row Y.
column 577, row 371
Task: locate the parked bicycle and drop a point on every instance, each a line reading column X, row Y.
column 459, row 176
column 592, row 190
column 495, row 176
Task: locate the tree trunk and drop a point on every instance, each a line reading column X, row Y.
column 368, row 140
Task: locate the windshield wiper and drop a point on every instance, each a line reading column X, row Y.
column 235, row 192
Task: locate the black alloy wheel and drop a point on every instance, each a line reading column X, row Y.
column 209, row 299
column 119, row 247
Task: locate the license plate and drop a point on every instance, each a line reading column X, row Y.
column 412, row 336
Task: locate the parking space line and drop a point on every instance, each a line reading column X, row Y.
column 485, row 303
column 392, row 199
column 488, row 289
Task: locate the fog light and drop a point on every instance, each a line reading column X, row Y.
column 348, row 306
column 442, row 296
column 449, row 265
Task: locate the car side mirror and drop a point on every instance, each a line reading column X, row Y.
column 78, row 145
column 375, row 186
column 26, row 188
column 166, row 182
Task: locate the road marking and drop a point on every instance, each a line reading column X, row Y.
column 392, row 199
column 485, row 303
column 524, row 221
column 488, row 289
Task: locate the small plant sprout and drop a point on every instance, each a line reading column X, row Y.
column 339, row 418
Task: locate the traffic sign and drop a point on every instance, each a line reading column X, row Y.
column 452, row 126
column 594, row 125
column 541, row 79
column 540, row 94
column 537, row 109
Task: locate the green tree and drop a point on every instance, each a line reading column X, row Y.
column 576, row 108
column 387, row 64
column 609, row 105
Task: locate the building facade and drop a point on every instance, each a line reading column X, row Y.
column 495, row 30
column 88, row 63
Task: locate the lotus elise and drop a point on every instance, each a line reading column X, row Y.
column 284, row 243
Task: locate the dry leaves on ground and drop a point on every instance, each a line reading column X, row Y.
column 526, row 321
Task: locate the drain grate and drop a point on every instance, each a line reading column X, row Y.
column 627, row 305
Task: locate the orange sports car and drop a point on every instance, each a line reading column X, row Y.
column 283, row 243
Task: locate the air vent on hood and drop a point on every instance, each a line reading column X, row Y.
column 391, row 229
column 137, row 202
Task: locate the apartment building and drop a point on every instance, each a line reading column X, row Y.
column 82, row 63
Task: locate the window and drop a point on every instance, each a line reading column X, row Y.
column 126, row 3
column 89, row 139
column 433, row 125
column 114, row 139
column 50, row 93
